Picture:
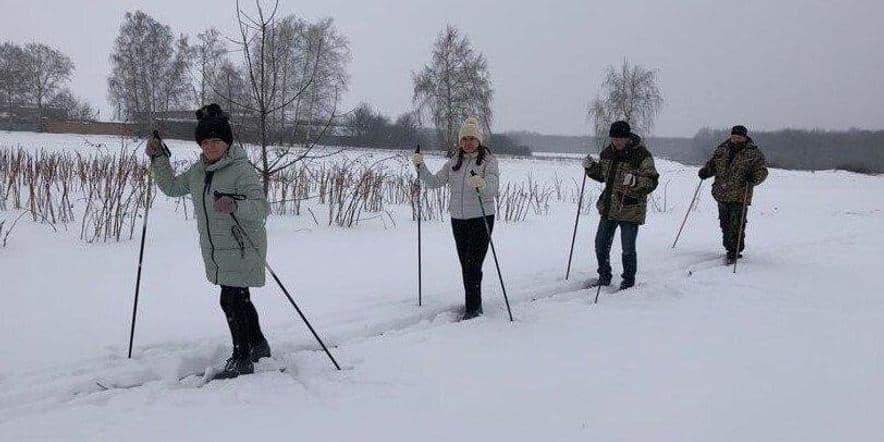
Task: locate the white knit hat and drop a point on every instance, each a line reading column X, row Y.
column 471, row 129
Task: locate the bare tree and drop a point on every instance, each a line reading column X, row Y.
column 600, row 118
column 178, row 88
column 629, row 93
column 228, row 87
column 210, row 53
column 326, row 55
column 454, row 86
column 46, row 70
column 12, row 61
column 149, row 70
column 287, row 51
column 294, row 74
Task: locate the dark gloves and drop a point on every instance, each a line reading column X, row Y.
column 225, row 204
column 704, row 173
column 155, row 148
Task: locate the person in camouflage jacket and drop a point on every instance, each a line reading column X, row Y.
column 626, row 167
column 738, row 165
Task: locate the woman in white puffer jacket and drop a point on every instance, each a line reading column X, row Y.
column 467, row 224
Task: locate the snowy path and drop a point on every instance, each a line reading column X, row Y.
column 788, row 349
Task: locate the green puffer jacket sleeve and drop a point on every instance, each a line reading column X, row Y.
column 168, row 183
column 254, row 208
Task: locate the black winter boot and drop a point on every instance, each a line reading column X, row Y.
column 473, row 300
column 732, row 257
column 471, row 313
column 234, row 368
column 260, row 350
column 600, row 281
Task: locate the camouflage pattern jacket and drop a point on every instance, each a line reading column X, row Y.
column 736, row 168
column 618, row 202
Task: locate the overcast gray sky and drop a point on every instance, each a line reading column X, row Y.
column 768, row 64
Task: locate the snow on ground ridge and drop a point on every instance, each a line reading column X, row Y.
column 786, row 349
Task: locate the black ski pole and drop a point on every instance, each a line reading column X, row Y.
column 493, row 251
column 690, row 206
column 742, row 226
column 147, row 204
column 140, row 261
column 598, row 147
column 278, row 282
column 576, row 221
column 419, row 216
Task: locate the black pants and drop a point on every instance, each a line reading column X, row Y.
column 729, row 217
column 604, row 238
column 472, row 246
column 242, row 318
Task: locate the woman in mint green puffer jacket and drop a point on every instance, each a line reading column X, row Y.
column 233, row 253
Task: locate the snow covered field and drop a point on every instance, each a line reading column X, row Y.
column 788, row 349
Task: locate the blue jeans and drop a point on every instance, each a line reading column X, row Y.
column 604, row 237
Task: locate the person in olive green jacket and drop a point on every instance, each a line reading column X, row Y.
column 626, row 167
column 233, row 253
column 738, row 166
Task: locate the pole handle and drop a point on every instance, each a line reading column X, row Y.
column 166, row 151
column 478, row 192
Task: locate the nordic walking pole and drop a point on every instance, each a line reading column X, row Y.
column 690, row 206
column 140, row 260
column 419, row 216
column 576, row 221
column 742, row 226
column 147, row 202
column 276, row 278
column 493, row 251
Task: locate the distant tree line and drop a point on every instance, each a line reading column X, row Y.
column 854, row 150
column 367, row 127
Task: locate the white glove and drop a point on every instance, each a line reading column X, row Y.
column 477, row 181
column 588, row 162
column 417, row 159
column 629, row 180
